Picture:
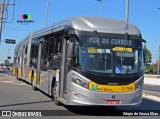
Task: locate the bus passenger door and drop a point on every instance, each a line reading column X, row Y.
column 39, row 64
column 63, row 69
column 24, row 55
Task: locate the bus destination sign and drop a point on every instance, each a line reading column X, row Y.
column 109, row 41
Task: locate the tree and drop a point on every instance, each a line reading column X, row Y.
column 149, row 69
column 148, row 55
column 148, row 59
column 154, row 68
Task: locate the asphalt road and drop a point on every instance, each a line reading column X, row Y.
column 7, row 72
column 152, row 88
column 17, row 95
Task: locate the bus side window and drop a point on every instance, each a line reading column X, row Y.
column 58, row 46
column 34, row 53
column 51, row 52
column 35, row 59
column 58, row 52
column 31, row 53
column 45, row 53
column 76, row 56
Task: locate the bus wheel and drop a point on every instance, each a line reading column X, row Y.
column 54, row 94
column 33, row 83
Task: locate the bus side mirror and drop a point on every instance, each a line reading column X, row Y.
column 144, row 41
column 70, row 50
column 144, row 59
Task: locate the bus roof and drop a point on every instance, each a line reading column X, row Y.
column 88, row 23
column 24, row 39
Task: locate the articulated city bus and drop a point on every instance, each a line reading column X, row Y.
column 84, row 61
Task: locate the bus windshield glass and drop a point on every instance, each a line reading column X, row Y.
column 128, row 62
column 93, row 59
column 108, row 60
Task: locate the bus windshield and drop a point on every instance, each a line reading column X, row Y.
column 106, row 60
column 128, row 62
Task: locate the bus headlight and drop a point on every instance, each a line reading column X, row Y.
column 139, row 84
column 80, row 82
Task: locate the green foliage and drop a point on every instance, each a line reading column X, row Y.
column 148, row 55
column 154, row 68
column 151, row 69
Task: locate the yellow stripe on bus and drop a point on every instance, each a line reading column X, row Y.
column 35, row 77
column 108, row 88
column 19, row 72
column 29, row 74
column 57, row 71
column 14, row 71
column 40, row 80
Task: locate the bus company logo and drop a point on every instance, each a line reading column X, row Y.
column 25, row 19
column 94, row 87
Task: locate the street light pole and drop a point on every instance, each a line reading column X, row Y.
column 100, row 7
column 127, row 10
column 46, row 20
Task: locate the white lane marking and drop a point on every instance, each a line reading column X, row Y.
column 8, row 75
column 155, row 98
column 12, row 82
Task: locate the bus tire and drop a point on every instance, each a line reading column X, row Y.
column 54, row 94
column 33, row 83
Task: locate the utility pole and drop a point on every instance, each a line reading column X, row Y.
column 46, row 20
column 158, row 61
column 2, row 6
column 100, row 7
column 1, row 17
column 127, row 10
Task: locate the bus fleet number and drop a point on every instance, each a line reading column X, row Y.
column 127, row 88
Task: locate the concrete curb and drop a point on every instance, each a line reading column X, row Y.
column 152, row 81
column 151, row 97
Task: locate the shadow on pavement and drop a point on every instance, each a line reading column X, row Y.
column 27, row 103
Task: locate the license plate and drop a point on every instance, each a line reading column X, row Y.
column 113, row 102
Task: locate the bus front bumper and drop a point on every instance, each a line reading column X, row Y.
column 81, row 96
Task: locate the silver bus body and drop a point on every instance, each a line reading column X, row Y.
column 72, row 87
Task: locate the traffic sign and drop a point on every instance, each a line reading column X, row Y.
column 10, row 41
column 9, row 57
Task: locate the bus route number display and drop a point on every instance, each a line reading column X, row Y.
column 95, row 50
column 122, row 49
column 92, row 50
